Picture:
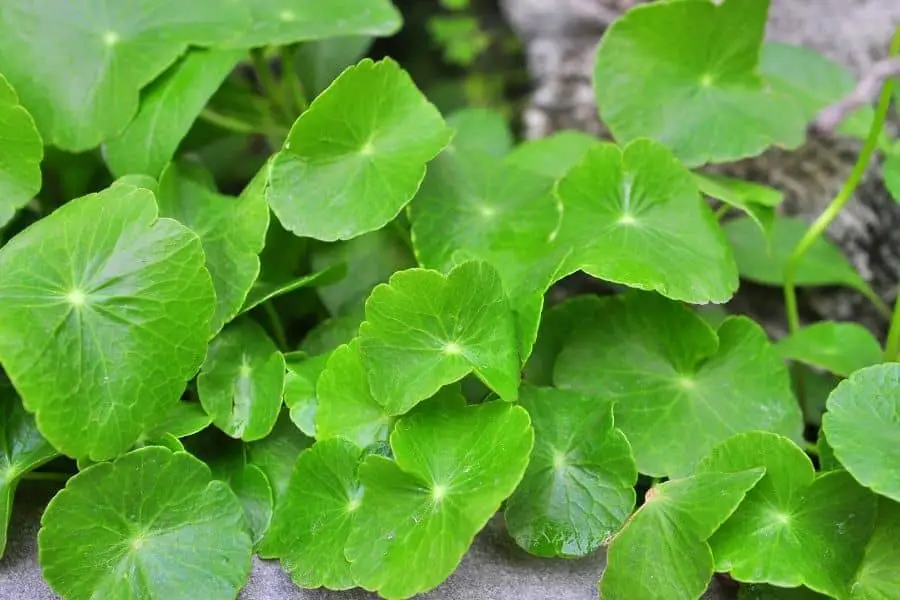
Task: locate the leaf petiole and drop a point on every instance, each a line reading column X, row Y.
column 272, row 89
column 292, row 86
column 46, row 476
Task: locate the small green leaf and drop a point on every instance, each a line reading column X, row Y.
column 21, row 152
column 254, row 492
column 702, row 57
column 232, row 230
column 863, row 427
column 762, row 260
column 283, row 22
column 331, row 333
column 757, row 201
column 794, row 528
column 168, row 108
column 554, row 155
column 424, row 330
column 661, row 553
column 300, row 391
column 480, row 129
column 367, row 261
column 104, row 316
column 841, row 348
column 347, row 169
column 346, row 406
column 319, row 62
column 314, row 522
column 153, row 513
column 557, row 323
column 418, row 516
column 242, row 380
column 182, row 420
column 579, row 486
column 680, row 387
column 79, row 65
column 22, row 449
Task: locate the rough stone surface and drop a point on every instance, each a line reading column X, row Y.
column 494, row 569
column 561, row 38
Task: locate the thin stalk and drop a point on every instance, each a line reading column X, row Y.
column 273, row 91
column 277, row 327
column 44, row 476
column 722, row 211
column 892, row 347
column 821, row 224
column 811, row 448
column 293, row 87
column 226, row 122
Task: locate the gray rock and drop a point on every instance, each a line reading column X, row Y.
column 494, row 569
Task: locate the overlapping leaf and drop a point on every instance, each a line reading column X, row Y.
column 841, row 348
column 757, row 201
column 863, row 428
column 703, row 58
column 151, row 512
column 794, row 528
column 104, row 316
column 424, row 330
column 232, row 230
column 21, row 152
column 349, row 168
column 680, row 387
column 418, row 515
column 242, row 380
column 579, row 486
column 662, row 553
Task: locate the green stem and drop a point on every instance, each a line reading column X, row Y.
column 295, row 355
column 892, row 347
column 273, row 91
column 226, row 122
column 45, row 476
column 293, row 87
column 821, row 224
column 277, row 327
column 722, row 211
column 811, row 448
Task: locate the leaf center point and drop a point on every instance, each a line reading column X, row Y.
column 452, row 348
column 110, row 39
column 76, row 298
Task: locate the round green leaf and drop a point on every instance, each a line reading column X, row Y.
column 635, row 217
column 184, row 419
column 315, row 519
column 579, row 486
column 554, row 155
column 702, row 58
column 150, row 526
column 79, row 65
column 21, row 152
column 806, row 76
column 762, row 259
column 104, row 315
column 680, row 387
column 841, row 348
column 418, row 515
column 283, row 22
column 22, row 449
column 863, row 429
column 878, row 577
column 300, row 391
column 232, row 230
column 661, row 553
column 424, row 330
column 793, row 528
column 242, row 381
column 168, row 108
column 357, row 156
column 557, row 323
column 481, row 129
column 346, row 406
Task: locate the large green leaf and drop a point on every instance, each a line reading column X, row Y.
column 357, row 156
column 232, row 230
column 702, row 58
column 346, row 407
column 424, row 330
column 22, row 448
column 794, row 528
column 841, row 348
column 21, row 152
column 314, row 521
column 454, row 466
column 242, row 380
column 579, row 486
column 168, row 108
column 282, row 22
column 79, row 65
column 862, row 425
column 661, row 553
column 150, row 526
column 680, row 387
column 104, row 316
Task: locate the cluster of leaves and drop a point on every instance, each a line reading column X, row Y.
column 358, row 383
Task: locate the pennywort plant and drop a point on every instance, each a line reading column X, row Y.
column 350, row 361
